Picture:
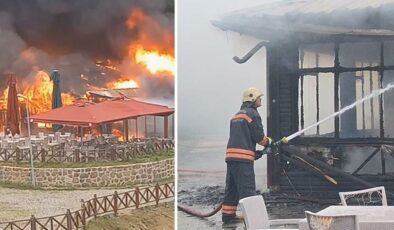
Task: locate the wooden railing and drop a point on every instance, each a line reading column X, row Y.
column 64, row 153
column 95, row 207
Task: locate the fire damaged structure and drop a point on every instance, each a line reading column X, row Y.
column 321, row 57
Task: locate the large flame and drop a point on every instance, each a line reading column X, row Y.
column 123, row 84
column 3, row 100
column 38, row 94
column 150, row 52
column 154, row 61
column 156, row 55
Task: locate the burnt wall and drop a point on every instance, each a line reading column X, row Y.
column 282, row 97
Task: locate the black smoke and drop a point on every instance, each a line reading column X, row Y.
column 71, row 35
column 94, row 27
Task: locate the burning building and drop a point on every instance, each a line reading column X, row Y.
column 321, row 57
column 95, row 45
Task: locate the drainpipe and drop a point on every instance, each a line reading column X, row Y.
column 250, row 53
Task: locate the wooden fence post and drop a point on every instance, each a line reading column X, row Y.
column 116, row 203
column 77, row 155
column 164, row 192
column 33, row 224
column 17, row 154
column 83, row 216
column 95, row 205
column 42, row 155
column 69, row 217
column 137, row 198
column 157, row 193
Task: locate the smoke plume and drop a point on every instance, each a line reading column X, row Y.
column 73, row 36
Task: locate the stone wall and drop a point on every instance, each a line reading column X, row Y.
column 105, row 176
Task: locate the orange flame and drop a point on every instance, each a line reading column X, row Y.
column 3, row 100
column 151, row 51
column 123, row 84
column 118, row 134
column 154, row 61
column 156, row 55
column 39, row 94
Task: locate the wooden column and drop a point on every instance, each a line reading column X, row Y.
column 173, row 126
column 154, row 126
column 126, row 130
column 136, row 127
column 166, row 127
column 282, row 100
column 146, row 128
column 336, row 87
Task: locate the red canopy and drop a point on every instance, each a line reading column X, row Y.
column 12, row 105
column 87, row 114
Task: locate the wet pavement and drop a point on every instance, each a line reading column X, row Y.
column 201, row 176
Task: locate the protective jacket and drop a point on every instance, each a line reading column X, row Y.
column 246, row 130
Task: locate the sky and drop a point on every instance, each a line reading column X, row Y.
column 210, row 85
column 209, row 82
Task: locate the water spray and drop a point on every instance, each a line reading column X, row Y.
column 374, row 93
column 285, row 140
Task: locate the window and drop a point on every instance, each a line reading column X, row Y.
column 335, row 76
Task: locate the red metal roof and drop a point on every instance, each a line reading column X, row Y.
column 86, row 114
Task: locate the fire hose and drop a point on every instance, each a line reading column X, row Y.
column 272, row 149
column 199, row 214
column 285, row 140
column 189, row 211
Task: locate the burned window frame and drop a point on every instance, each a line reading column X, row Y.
column 337, row 69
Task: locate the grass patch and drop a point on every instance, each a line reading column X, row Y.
column 4, row 184
column 152, row 218
column 142, row 159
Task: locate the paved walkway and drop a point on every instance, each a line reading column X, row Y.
column 16, row 204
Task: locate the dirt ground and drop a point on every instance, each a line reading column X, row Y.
column 152, row 218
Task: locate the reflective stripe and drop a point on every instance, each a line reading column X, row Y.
column 242, row 116
column 236, row 150
column 229, row 209
column 264, row 141
column 240, row 154
column 228, row 212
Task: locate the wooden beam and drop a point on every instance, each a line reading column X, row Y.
column 366, row 161
column 341, row 69
column 154, row 126
column 336, row 89
column 146, row 128
column 383, row 161
column 136, row 127
column 322, row 165
column 166, row 127
column 126, row 130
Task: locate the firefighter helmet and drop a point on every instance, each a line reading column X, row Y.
column 251, row 94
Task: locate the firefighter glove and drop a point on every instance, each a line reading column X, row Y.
column 269, row 141
column 258, row 154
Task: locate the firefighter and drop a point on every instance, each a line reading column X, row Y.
column 246, row 130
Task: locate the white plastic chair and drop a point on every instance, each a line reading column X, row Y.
column 365, row 196
column 256, row 216
column 340, row 222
